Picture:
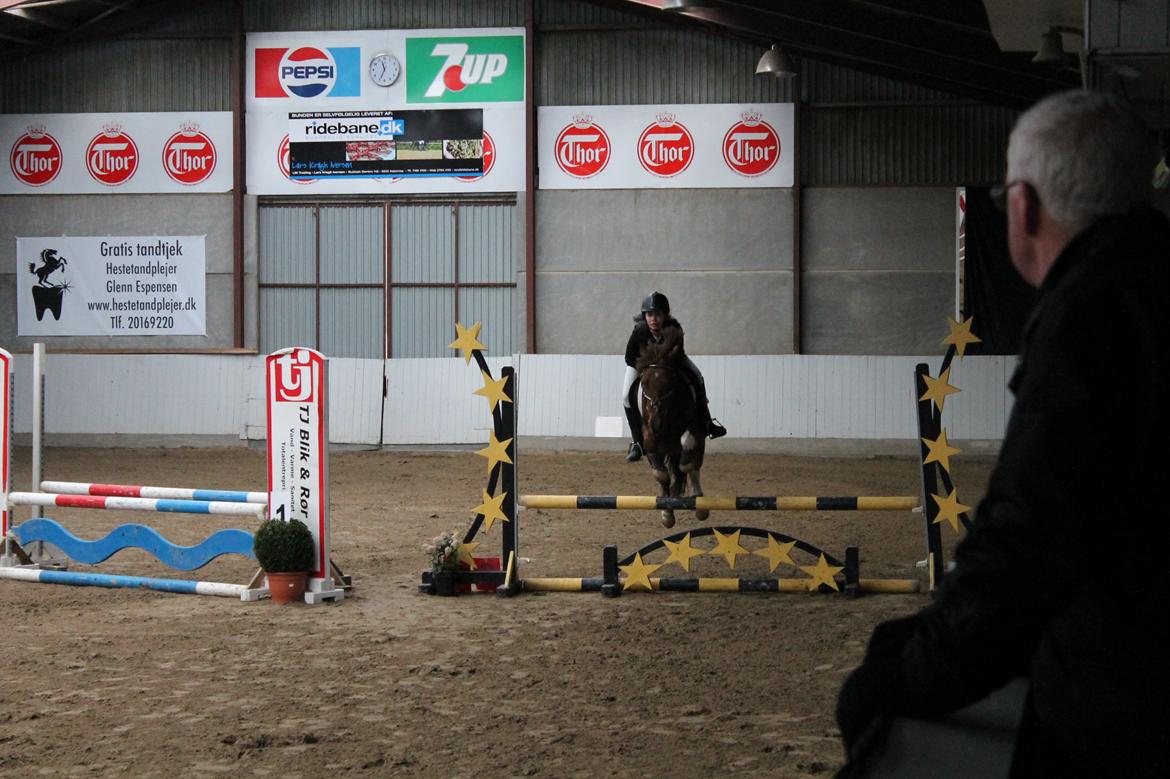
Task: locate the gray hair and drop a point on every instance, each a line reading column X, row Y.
column 1087, row 154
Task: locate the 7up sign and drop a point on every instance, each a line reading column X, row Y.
column 479, row 69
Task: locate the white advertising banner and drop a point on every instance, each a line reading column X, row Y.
column 657, row 147
column 294, row 73
column 53, row 154
column 112, row 285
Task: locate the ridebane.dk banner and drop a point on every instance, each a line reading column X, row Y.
column 112, row 285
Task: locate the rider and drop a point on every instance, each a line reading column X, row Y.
column 651, row 325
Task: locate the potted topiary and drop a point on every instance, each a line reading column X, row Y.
column 286, row 551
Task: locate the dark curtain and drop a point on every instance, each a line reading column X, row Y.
column 993, row 293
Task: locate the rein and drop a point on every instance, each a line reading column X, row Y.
column 653, row 402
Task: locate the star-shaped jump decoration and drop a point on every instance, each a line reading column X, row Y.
column 493, row 390
column 728, row 546
column 492, row 509
column 961, row 336
column 938, row 389
column 496, row 451
column 949, row 509
column 822, row 573
column 638, row 574
column 776, row 553
column 940, row 451
column 467, row 339
column 681, row 552
column 466, row 550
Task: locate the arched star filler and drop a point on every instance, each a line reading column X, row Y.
column 776, row 553
column 467, row 340
column 638, row 574
column 822, row 573
column 681, row 552
column 728, row 546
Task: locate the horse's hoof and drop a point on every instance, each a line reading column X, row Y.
column 702, row 514
column 667, row 519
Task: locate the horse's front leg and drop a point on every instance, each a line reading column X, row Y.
column 658, row 467
column 697, row 491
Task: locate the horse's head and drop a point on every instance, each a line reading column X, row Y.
column 663, row 388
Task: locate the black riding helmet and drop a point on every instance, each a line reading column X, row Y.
column 656, row 301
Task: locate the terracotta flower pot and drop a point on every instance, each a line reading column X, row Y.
column 287, row 587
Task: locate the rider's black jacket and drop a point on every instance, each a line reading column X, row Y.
column 642, row 336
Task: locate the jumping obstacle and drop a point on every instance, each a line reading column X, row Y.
column 170, row 493
column 716, row 503
column 501, row 500
column 298, row 481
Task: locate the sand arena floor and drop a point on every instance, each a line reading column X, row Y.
column 392, row 682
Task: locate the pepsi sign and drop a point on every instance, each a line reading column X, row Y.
column 308, row 72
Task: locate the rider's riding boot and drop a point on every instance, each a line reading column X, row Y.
column 635, row 421
column 714, row 429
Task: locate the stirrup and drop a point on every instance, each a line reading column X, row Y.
column 715, row 430
column 635, row 452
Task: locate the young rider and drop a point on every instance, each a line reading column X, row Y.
column 651, row 325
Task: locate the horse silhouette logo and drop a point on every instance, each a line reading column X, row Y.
column 46, row 295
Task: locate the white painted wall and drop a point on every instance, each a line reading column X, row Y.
column 431, row 401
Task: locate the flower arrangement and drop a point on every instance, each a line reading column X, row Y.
column 443, row 550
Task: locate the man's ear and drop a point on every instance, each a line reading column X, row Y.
column 1030, row 202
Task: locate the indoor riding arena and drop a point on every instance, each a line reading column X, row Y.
column 623, row 363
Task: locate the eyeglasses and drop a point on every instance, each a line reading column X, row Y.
column 999, row 193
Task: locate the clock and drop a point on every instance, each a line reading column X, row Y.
column 384, row 69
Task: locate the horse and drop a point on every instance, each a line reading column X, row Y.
column 50, row 262
column 673, row 436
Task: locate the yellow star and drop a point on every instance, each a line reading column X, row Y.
column 961, row 336
column 728, row 546
column 466, row 550
column 492, row 509
column 681, row 552
column 822, row 573
column 938, row 389
column 940, row 451
column 638, row 573
column 467, row 340
column 776, row 553
column 496, row 451
column 949, row 509
column 493, row 390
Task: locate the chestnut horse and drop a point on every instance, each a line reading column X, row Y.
column 673, row 436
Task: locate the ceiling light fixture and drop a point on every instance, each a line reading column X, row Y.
column 1051, row 51
column 775, row 63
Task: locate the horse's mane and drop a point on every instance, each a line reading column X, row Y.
column 664, row 352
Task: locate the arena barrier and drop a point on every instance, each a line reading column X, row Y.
column 501, row 500
column 298, row 488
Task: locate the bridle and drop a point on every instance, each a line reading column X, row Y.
column 652, row 402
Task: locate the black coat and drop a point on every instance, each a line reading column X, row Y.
column 1061, row 577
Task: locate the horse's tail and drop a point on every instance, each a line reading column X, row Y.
column 32, row 267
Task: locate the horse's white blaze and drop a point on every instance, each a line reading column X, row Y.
column 688, row 441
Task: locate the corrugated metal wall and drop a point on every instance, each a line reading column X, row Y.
column 379, row 14
column 857, row 129
column 636, row 67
